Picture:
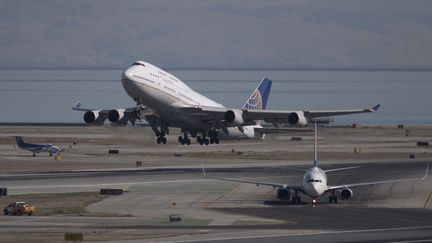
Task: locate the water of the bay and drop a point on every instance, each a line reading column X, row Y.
column 47, row 95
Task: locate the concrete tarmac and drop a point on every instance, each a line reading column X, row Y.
column 214, row 206
column 170, row 181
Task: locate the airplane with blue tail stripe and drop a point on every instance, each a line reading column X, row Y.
column 165, row 101
column 37, row 148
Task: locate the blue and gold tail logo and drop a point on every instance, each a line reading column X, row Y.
column 254, row 102
column 258, row 98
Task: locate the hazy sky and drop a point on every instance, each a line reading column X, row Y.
column 216, row 34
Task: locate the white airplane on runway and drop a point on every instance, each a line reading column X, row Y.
column 37, row 148
column 165, row 101
column 315, row 185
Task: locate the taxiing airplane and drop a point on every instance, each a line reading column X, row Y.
column 315, row 185
column 37, row 148
column 165, row 101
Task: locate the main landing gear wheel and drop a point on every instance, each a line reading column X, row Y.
column 333, row 199
column 184, row 140
column 203, row 140
column 214, row 137
column 296, row 199
column 161, row 138
column 214, row 140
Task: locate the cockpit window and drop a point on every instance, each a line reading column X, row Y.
column 312, row 180
column 138, row 63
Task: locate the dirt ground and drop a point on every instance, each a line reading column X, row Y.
column 87, row 147
column 50, row 204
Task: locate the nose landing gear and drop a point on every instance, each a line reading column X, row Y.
column 155, row 124
column 314, row 202
column 161, row 138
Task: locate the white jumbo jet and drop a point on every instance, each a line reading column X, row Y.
column 315, row 185
column 165, row 101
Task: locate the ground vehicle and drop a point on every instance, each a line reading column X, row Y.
column 174, row 218
column 19, row 208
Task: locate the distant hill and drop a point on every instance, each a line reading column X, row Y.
column 216, row 34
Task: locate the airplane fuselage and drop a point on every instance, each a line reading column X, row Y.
column 315, row 182
column 37, row 148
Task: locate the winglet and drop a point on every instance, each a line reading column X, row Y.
column 426, row 173
column 375, row 108
column 77, row 106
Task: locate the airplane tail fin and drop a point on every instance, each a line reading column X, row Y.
column 258, row 98
column 315, row 161
column 19, row 141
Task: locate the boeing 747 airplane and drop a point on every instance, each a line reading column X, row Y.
column 37, row 148
column 315, row 185
column 165, row 101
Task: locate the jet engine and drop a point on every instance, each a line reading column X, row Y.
column 91, row 116
column 283, row 193
column 234, row 117
column 345, row 193
column 297, row 119
column 116, row 115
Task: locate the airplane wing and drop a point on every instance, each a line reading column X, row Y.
column 344, row 168
column 257, row 183
column 244, row 117
column 117, row 116
column 331, row 188
column 92, row 116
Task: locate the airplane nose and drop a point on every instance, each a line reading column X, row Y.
column 129, row 85
column 127, row 75
column 317, row 190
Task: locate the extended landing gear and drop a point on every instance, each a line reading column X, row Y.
column 296, row 199
column 333, row 198
column 161, row 137
column 184, row 140
column 212, row 139
column 314, row 202
column 155, row 124
column 203, row 140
